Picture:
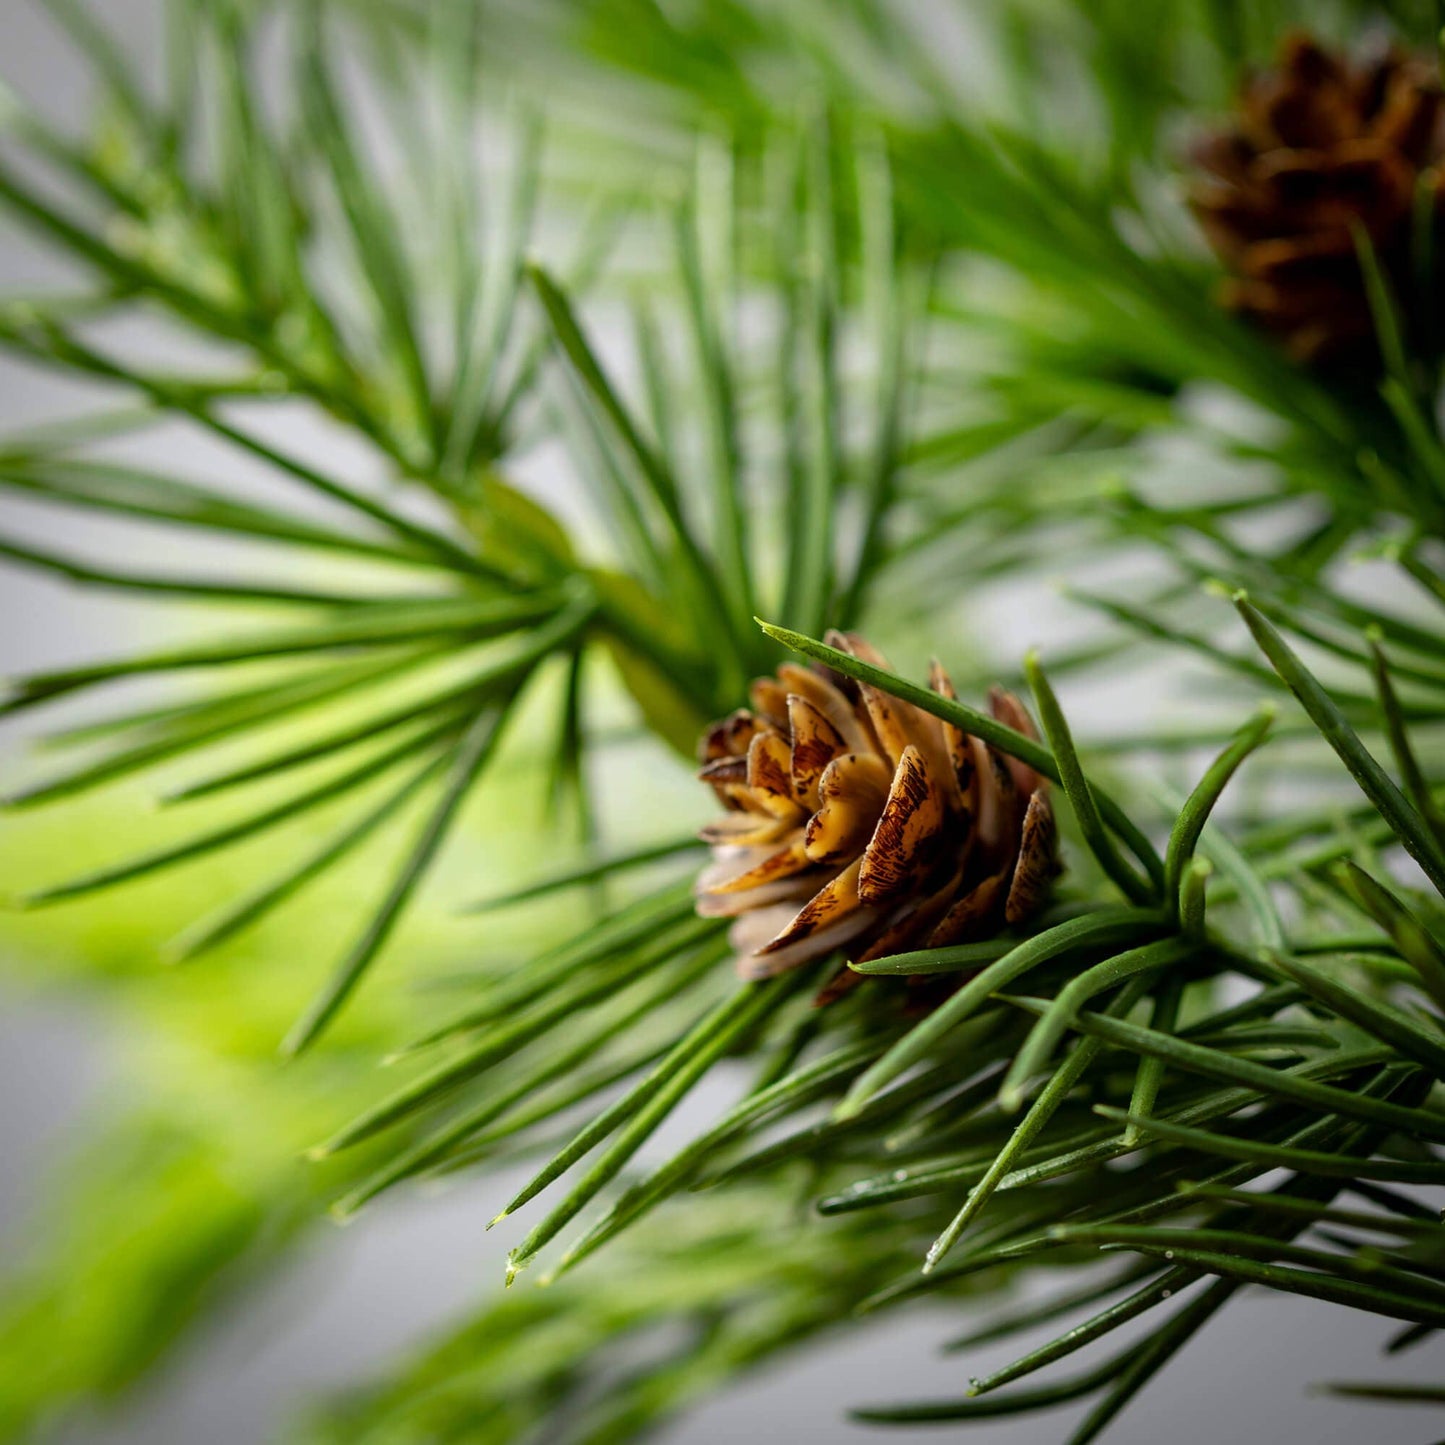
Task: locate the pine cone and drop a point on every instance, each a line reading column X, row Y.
column 1321, row 146
column 858, row 821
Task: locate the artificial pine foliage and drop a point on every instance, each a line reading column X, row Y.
column 868, row 319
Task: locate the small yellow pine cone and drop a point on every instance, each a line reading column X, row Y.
column 860, row 823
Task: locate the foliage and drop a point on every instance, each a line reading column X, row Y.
column 895, row 341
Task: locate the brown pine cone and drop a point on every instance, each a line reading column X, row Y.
column 859, row 822
column 1320, row 146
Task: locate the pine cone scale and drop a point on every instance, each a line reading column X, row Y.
column 816, row 745
column 851, row 796
column 1034, row 870
column 905, row 843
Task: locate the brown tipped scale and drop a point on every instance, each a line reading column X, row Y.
column 1321, row 150
column 860, row 824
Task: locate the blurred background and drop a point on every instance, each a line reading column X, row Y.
column 149, row 1087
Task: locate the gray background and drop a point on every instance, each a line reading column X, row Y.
column 402, row 1271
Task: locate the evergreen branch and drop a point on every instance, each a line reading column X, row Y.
column 1376, row 785
column 468, row 759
